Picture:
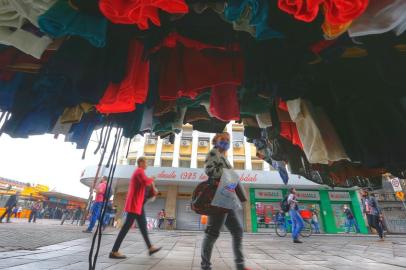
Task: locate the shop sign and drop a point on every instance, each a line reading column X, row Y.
column 308, row 195
column 339, row 196
column 53, row 199
column 396, row 184
column 268, row 194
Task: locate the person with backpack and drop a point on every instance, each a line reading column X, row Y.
column 297, row 220
column 215, row 162
column 350, row 220
column 373, row 212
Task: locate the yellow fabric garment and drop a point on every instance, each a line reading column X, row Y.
column 332, row 31
column 74, row 114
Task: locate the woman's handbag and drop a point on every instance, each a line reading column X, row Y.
column 203, row 196
column 150, row 193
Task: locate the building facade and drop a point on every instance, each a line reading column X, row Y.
column 179, row 166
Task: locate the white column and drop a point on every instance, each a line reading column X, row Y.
column 267, row 167
column 230, row 152
column 195, row 139
column 211, row 139
column 176, row 151
column 247, row 148
column 158, row 152
column 141, row 146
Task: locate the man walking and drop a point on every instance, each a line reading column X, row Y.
column 350, row 220
column 10, row 204
column 134, row 207
column 35, row 209
column 297, row 220
column 372, row 211
column 97, row 204
column 77, row 215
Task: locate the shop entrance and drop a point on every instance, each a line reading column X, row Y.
column 265, row 213
column 339, row 216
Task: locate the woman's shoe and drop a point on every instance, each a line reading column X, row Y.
column 154, row 250
column 117, row 255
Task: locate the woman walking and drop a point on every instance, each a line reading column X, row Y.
column 214, row 164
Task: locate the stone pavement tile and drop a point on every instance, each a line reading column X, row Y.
column 358, row 259
column 310, row 267
column 310, row 257
column 128, row 267
column 5, row 263
column 140, row 261
column 83, row 266
column 46, row 264
column 256, row 256
column 175, row 263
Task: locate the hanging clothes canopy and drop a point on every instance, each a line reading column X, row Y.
column 319, row 85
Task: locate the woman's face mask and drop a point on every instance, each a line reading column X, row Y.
column 224, row 145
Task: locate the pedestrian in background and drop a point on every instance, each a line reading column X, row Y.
column 97, row 204
column 373, row 212
column 161, row 218
column 10, row 205
column 134, row 206
column 297, row 220
column 77, row 215
column 350, row 220
column 35, row 210
column 65, row 215
column 315, row 221
column 215, row 162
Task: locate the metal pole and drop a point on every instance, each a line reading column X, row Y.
column 90, row 198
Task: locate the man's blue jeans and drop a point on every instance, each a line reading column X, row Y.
column 351, row 222
column 297, row 223
column 96, row 209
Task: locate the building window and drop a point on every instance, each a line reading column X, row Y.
column 132, row 161
column 150, row 162
column 166, row 163
column 239, row 165
column 258, row 166
column 184, row 163
column 200, row 163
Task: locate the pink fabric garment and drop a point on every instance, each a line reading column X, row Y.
column 122, row 97
column 100, row 190
column 224, row 102
column 136, row 191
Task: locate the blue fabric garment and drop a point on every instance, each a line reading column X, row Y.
column 81, row 132
column 62, row 20
column 259, row 18
column 316, row 226
column 297, row 223
column 8, row 90
column 96, row 210
column 349, row 223
column 280, row 166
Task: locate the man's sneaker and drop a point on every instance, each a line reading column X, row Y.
column 87, row 231
column 117, row 255
column 296, row 241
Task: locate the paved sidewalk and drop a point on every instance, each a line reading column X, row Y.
column 181, row 251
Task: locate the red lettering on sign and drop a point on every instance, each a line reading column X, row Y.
column 167, row 175
column 248, row 178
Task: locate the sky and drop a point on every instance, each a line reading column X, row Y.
column 47, row 161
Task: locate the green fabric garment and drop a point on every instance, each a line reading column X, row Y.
column 252, row 104
column 188, row 102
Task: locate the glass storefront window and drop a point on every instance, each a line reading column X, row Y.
column 265, row 214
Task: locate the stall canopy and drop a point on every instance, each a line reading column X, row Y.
column 319, row 85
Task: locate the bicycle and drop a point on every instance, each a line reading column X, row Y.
column 283, row 227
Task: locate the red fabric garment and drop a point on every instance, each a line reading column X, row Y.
column 122, row 97
column 140, row 12
column 224, row 102
column 100, row 190
column 174, row 39
column 336, row 11
column 187, row 72
column 289, row 132
column 318, row 47
column 136, row 191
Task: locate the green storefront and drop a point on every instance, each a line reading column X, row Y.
column 328, row 204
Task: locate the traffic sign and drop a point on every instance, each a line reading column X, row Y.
column 400, row 195
column 396, row 184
